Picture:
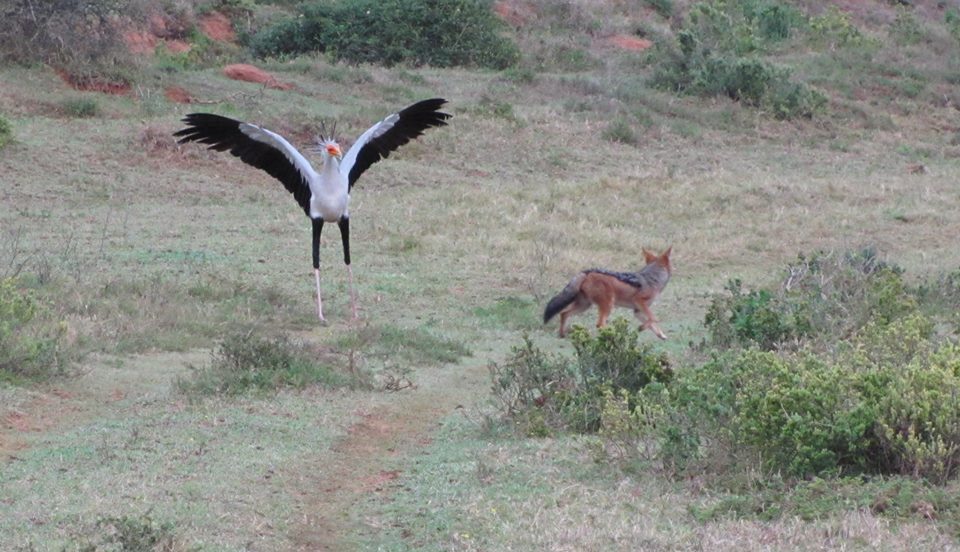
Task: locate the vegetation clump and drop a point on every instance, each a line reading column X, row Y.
column 822, row 295
column 81, row 107
column 838, row 372
column 82, row 35
column 6, row 131
column 32, row 339
column 544, row 393
column 246, row 362
column 131, row 534
column 718, row 52
column 442, row 33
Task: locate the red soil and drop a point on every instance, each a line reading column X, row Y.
column 513, row 12
column 177, row 94
column 249, row 73
column 94, row 83
column 217, row 27
column 627, row 42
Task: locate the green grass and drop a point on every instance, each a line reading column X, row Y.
column 213, row 471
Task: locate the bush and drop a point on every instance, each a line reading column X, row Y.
column 442, row 33
column 543, row 393
column 247, row 362
column 81, row 107
column 834, row 30
column 532, row 387
column 620, row 131
column 663, row 7
column 755, row 318
column 951, row 18
column 915, row 384
column 919, row 419
column 822, row 296
column 130, row 534
column 874, row 389
column 80, row 34
column 614, row 357
column 804, row 414
column 6, row 131
column 716, row 53
column 31, row 338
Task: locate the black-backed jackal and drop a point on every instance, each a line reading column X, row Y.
column 607, row 289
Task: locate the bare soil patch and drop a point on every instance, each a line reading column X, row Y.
column 630, row 43
column 93, row 83
column 178, row 94
column 250, row 73
column 217, row 26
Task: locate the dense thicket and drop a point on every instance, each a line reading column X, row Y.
column 441, row 33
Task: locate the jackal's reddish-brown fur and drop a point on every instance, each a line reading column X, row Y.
column 608, row 289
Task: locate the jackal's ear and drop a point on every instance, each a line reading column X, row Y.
column 649, row 256
column 666, row 254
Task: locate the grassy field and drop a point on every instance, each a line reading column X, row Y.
column 151, row 254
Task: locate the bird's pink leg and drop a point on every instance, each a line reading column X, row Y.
column 316, row 273
column 353, row 294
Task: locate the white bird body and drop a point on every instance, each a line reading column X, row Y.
column 324, row 196
column 330, row 192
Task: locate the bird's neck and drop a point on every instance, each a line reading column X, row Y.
column 330, row 164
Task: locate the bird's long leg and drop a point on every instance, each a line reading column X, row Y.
column 344, row 224
column 317, row 228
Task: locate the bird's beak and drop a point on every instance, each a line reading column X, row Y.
column 334, row 151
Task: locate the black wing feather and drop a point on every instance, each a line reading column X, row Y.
column 411, row 123
column 224, row 134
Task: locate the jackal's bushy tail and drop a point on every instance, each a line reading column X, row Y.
column 564, row 298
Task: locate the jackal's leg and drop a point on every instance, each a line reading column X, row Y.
column 579, row 305
column 605, row 306
column 651, row 322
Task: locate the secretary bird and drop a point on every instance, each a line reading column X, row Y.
column 325, row 195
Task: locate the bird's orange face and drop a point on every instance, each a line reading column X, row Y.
column 334, row 150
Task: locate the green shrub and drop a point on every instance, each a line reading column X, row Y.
column 776, row 22
column 129, row 534
column 663, row 7
column 755, row 318
column 915, row 384
column 804, row 414
column 81, row 107
column 543, row 392
column 822, row 296
column 874, row 390
column 887, row 401
column 31, row 338
column 614, row 357
column 621, row 132
column 532, row 388
column 906, row 29
column 293, row 35
column 247, row 362
column 442, row 33
column 834, row 30
column 717, row 53
column 919, row 419
column 951, row 18
column 6, row 131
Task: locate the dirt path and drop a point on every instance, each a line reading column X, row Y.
column 365, row 460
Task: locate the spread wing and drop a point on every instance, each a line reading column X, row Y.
column 255, row 146
column 391, row 133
